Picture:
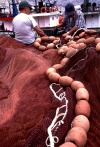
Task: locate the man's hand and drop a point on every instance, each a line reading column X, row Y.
column 66, row 34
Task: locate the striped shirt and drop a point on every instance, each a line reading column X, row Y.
column 77, row 20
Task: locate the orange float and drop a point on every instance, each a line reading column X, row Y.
column 43, row 10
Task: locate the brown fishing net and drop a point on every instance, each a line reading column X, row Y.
column 29, row 101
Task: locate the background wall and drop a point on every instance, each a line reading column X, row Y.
column 76, row 2
column 63, row 2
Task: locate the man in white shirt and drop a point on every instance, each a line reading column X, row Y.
column 24, row 25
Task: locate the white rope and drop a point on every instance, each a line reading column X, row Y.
column 76, row 32
column 51, row 140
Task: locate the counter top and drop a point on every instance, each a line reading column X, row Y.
column 45, row 14
column 91, row 13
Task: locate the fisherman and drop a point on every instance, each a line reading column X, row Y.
column 73, row 19
column 24, row 25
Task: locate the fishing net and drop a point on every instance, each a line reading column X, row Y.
column 35, row 111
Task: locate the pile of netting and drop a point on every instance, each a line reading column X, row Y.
column 34, row 110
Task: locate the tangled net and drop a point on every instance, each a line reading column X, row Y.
column 29, row 100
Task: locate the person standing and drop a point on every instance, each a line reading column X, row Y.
column 24, row 25
column 72, row 19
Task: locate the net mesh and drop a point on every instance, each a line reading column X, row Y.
column 28, row 106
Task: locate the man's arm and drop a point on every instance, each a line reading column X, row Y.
column 39, row 31
column 74, row 29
